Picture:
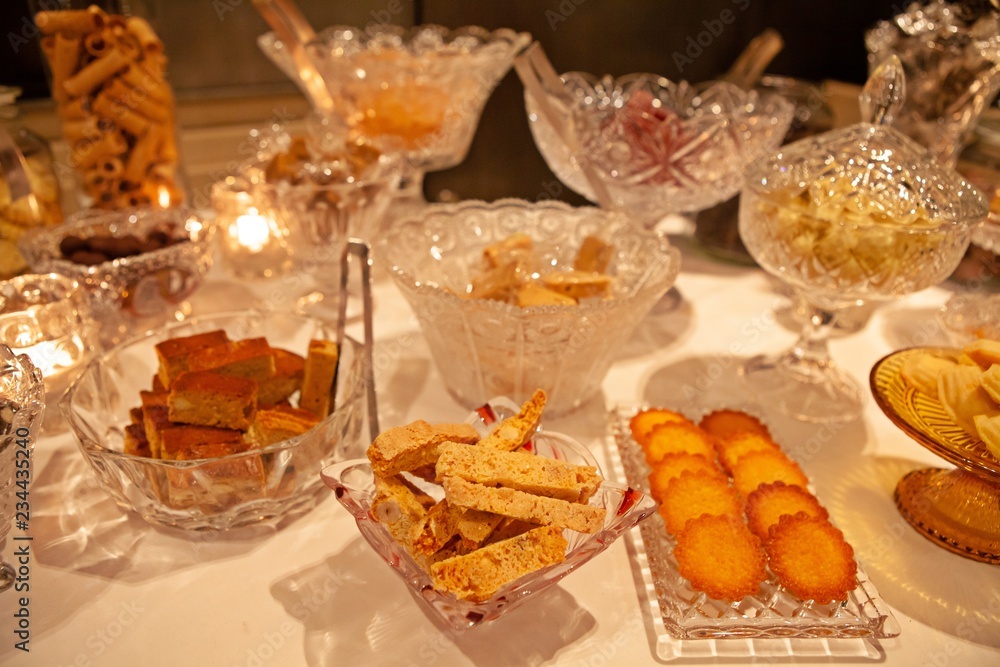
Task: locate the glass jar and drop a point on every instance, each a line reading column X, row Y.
column 29, row 189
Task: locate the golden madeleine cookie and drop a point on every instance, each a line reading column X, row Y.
column 720, row 557
column 922, row 370
column 643, row 422
column 676, row 437
column 731, row 448
column 811, row 559
column 764, row 467
column 984, row 352
column 692, row 494
column 988, row 429
column 672, row 465
column 962, row 396
column 769, row 502
column 725, row 422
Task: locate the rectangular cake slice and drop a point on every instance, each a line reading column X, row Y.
column 319, row 378
column 207, row 398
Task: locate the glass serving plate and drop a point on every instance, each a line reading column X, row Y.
column 354, row 486
column 772, row 623
column 958, row 509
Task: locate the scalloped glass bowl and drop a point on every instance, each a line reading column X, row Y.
column 625, row 508
column 419, row 91
column 489, row 348
column 259, row 486
column 659, row 146
column 125, row 291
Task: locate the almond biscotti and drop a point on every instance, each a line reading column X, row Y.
column 406, row 448
column 525, row 506
column 518, row 470
column 476, row 576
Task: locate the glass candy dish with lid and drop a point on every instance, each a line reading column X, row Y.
column 854, row 215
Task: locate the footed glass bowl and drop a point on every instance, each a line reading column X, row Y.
column 484, row 347
column 659, row 146
column 355, row 489
column 418, row 92
column 258, row 486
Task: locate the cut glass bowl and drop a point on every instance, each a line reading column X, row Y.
column 259, row 486
column 857, row 213
column 486, row 348
column 417, row 91
column 659, row 146
column 354, row 485
column 128, row 290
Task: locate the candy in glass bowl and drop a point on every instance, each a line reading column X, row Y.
column 418, row 92
column 857, row 214
column 139, row 265
column 220, row 421
column 323, row 189
column 551, row 513
column 513, row 295
column 657, row 146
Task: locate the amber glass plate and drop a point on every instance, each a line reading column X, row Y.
column 924, row 419
column 957, row 509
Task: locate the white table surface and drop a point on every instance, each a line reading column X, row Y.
column 107, row 589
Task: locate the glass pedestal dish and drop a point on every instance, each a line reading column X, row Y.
column 416, row 92
column 656, row 145
column 849, row 216
column 958, row 508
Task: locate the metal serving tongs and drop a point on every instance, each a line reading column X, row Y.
column 295, row 32
column 361, row 250
column 541, row 79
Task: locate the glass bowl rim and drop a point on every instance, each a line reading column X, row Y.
column 32, row 244
column 587, row 306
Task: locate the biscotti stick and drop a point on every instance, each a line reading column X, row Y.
column 480, row 574
column 524, row 506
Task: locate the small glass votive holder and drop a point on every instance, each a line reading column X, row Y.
column 48, row 318
column 253, row 244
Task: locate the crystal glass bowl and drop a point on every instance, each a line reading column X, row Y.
column 625, row 508
column 261, row 485
column 486, row 348
column 859, row 213
column 950, row 53
column 659, row 146
column 129, row 289
column 847, row 217
column 417, row 91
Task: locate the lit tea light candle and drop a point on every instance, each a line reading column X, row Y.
column 251, row 230
column 254, row 244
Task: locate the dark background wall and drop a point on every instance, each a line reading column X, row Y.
column 213, row 53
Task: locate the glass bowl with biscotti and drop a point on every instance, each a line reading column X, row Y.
column 220, row 421
column 139, row 265
column 479, row 516
column 515, row 295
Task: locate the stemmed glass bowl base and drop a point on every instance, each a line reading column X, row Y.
column 807, row 389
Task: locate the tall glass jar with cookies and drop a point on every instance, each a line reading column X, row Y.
column 107, row 70
column 29, row 189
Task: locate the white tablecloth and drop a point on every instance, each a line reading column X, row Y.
column 107, row 589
